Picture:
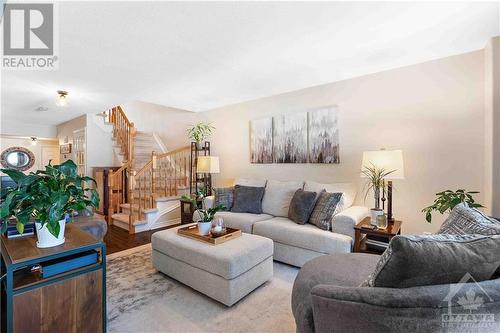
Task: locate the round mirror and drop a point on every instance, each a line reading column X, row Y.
column 17, row 158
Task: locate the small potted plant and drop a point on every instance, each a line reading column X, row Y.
column 48, row 196
column 200, row 132
column 448, row 199
column 205, row 217
column 375, row 181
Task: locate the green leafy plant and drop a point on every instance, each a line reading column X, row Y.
column 207, row 215
column 200, row 132
column 46, row 196
column 447, row 200
column 375, row 181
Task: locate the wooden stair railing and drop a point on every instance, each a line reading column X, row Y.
column 123, row 132
column 163, row 176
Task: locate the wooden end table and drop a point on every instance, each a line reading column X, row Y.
column 187, row 210
column 361, row 235
column 73, row 301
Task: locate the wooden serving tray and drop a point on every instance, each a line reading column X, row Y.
column 192, row 232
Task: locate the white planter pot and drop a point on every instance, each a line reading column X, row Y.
column 46, row 239
column 374, row 212
column 204, row 228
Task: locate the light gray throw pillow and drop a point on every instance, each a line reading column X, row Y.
column 247, row 199
column 412, row 261
column 465, row 220
column 327, row 205
column 301, row 206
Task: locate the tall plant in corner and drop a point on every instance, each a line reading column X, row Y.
column 447, row 200
column 200, row 132
column 47, row 196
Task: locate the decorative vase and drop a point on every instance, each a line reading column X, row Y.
column 374, row 212
column 382, row 221
column 218, row 227
column 46, row 239
column 204, row 228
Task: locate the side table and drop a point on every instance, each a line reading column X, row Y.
column 72, row 301
column 383, row 235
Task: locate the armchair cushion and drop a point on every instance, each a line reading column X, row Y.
column 411, row 261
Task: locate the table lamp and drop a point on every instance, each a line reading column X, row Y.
column 388, row 160
column 208, row 165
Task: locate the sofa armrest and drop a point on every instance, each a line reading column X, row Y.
column 369, row 309
column 345, row 221
column 208, row 202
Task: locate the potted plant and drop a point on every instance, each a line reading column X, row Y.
column 48, row 196
column 200, row 132
column 448, row 199
column 204, row 218
column 375, row 181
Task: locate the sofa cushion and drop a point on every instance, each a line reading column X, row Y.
column 345, row 270
column 242, row 221
column 223, row 196
column 278, row 196
column 327, row 205
column 250, row 182
column 349, row 190
column 301, row 206
column 464, row 220
column 412, row 261
column 307, row 236
column 247, row 199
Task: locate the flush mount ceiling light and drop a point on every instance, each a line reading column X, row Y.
column 62, row 98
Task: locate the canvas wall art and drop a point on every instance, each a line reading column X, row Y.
column 261, row 140
column 324, row 136
column 290, row 138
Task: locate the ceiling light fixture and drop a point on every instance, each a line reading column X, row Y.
column 62, row 98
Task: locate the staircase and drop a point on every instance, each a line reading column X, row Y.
column 145, row 191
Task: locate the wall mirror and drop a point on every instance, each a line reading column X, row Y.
column 17, row 158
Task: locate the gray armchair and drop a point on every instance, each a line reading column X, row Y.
column 326, row 297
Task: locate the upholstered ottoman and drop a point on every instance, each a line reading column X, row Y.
column 226, row 272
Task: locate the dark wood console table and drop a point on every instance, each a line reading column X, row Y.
column 74, row 301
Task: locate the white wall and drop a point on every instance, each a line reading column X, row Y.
column 169, row 123
column 433, row 111
column 18, row 127
column 492, row 127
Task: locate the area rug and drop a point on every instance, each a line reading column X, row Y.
column 140, row 299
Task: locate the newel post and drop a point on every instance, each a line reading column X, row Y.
column 154, row 165
column 111, row 197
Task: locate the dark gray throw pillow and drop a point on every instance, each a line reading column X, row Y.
column 465, row 220
column 327, row 205
column 224, row 197
column 247, row 199
column 301, row 206
column 412, row 261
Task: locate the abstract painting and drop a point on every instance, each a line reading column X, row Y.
column 324, row 136
column 290, row 138
column 261, row 140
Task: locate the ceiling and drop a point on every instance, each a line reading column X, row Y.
column 198, row 56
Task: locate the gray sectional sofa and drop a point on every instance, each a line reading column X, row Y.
column 296, row 244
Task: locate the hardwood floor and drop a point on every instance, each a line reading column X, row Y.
column 118, row 239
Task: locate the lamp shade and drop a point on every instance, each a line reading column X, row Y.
column 386, row 159
column 207, row 164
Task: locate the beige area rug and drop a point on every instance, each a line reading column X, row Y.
column 140, row 299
